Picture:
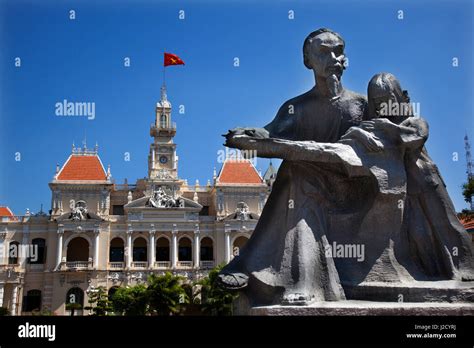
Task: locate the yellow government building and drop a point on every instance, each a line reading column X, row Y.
column 100, row 233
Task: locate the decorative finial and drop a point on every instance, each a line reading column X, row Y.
column 196, row 198
column 197, row 183
column 208, row 183
column 164, row 97
column 214, row 174
column 57, row 168
column 129, row 196
column 108, row 172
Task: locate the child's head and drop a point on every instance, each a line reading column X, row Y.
column 383, row 92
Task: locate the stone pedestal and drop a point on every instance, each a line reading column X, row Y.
column 365, row 308
column 413, row 298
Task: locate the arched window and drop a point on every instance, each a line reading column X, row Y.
column 185, row 252
column 162, row 249
column 78, row 250
column 207, row 250
column 74, row 299
column 116, row 250
column 13, row 253
column 39, row 244
column 239, row 243
column 112, row 291
column 139, row 250
column 163, row 121
column 32, row 301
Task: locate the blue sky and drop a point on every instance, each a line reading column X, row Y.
column 83, row 60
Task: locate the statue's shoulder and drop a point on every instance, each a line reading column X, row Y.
column 298, row 101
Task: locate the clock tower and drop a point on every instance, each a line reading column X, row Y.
column 162, row 160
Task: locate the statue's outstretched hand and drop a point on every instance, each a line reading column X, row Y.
column 235, row 136
column 369, row 140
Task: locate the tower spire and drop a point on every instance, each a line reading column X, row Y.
column 164, row 97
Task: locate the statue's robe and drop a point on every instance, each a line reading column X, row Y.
column 441, row 247
column 286, row 254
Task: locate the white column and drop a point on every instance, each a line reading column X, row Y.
column 14, row 299
column 96, row 248
column 129, row 248
column 2, row 289
column 151, row 248
column 2, row 246
column 227, row 247
column 174, row 247
column 59, row 255
column 197, row 247
column 26, row 237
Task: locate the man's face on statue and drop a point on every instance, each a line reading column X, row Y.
column 326, row 55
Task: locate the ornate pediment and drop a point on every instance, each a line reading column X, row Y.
column 163, row 199
column 242, row 213
column 79, row 212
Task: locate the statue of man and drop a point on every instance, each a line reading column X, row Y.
column 284, row 260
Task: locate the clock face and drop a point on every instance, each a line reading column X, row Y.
column 163, row 159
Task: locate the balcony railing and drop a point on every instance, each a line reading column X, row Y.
column 36, row 267
column 116, row 265
column 78, row 265
column 185, row 265
column 207, row 264
column 163, row 264
column 139, row 264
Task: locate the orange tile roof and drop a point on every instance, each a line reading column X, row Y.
column 82, row 167
column 5, row 211
column 239, row 172
column 6, row 214
column 468, row 225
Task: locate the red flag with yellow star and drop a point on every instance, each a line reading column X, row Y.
column 172, row 59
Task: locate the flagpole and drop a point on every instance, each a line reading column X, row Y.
column 164, row 69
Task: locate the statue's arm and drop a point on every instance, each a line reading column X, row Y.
column 334, row 153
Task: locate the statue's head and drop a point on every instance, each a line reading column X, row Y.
column 323, row 52
column 383, row 92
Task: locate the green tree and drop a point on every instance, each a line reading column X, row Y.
column 214, row 299
column 468, row 190
column 131, row 300
column 99, row 300
column 166, row 294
